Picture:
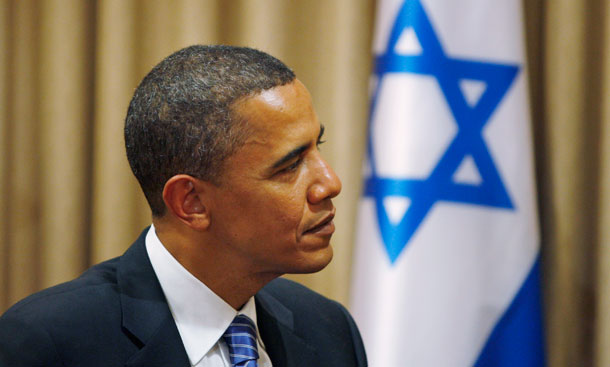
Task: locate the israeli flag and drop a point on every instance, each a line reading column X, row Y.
column 446, row 266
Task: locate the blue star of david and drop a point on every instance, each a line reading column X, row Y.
column 439, row 185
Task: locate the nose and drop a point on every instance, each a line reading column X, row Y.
column 326, row 184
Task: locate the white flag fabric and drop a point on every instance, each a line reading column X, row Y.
column 446, row 264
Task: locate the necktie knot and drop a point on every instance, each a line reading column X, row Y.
column 241, row 340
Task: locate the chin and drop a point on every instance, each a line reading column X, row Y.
column 314, row 261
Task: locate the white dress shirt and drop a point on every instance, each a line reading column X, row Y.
column 200, row 315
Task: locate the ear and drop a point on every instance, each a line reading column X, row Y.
column 184, row 198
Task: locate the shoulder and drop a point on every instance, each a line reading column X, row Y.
column 324, row 323
column 285, row 288
column 97, row 288
column 70, row 297
column 33, row 331
column 302, row 301
column 295, row 296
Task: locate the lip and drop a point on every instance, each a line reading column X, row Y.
column 324, row 227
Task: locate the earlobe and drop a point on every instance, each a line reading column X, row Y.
column 184, row 198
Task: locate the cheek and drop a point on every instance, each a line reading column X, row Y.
column 287, row 213
column 276, row 210
column 278, row 217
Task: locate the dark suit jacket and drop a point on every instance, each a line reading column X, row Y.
column 115, row 314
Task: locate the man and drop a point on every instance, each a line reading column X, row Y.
column 224, row 143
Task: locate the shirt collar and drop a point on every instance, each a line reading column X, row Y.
column 201, row 316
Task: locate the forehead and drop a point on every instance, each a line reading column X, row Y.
column 283, row 112
column 285, row 104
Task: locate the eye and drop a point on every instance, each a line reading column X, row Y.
column 320, row 142
column 293, row 166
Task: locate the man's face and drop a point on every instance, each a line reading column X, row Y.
column 273, row 209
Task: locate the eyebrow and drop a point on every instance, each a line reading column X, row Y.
column 297, row 151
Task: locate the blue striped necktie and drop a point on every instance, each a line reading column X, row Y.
column 241, row 340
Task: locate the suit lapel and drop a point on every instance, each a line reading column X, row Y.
column 276, row 326
column 164, row 348
column 146, row 317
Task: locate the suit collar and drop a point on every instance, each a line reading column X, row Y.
column 276, row 327
column 145, row 314
column 148, row 321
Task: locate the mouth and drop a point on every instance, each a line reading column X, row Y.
column 324, row 227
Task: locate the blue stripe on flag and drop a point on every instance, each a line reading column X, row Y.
column 517, row 339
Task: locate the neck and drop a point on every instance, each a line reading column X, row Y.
column 215, row 268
